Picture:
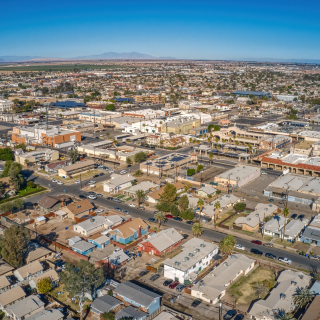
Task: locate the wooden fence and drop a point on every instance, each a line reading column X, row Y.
column 221, row 224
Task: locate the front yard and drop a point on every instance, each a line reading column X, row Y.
column 62, row 296
column 243, row 290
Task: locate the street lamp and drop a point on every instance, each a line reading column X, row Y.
column 220, row 310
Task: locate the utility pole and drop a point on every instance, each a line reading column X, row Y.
column 94, row 122
column 264, row 222
column 220, row 310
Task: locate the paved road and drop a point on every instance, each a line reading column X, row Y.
column 209, row 234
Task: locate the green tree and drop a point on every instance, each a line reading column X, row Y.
column 138, row 173
column 129, row 161
column 140, row 195
column 74, row 155
column 110, row 107
column 302, row 297
column 85, row 279
column 191, row 172
column 14, row 243
column 160, row 218
column 16, row 179
column 197, row 229
column 141, row 156
column 169, row 194
column 282, row 315
column 20, row 146
column 285, row 213
column 18, row 204
column 217, row 207
column 216, row 128
column 31, row 184
column 163, row 206
column 174, row 210
column 187, row 214
column 44, row 285
column 6, row 154
column 210, row 157
column 183, row 202
column 108, row 316
column 199, row 168
column 239, row 206
column 200, row 205
column 227, row 244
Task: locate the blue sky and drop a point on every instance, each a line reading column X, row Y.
column 224, row 29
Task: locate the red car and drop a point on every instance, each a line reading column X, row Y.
column 173, row 284
column 257, row 242
column 170, row 216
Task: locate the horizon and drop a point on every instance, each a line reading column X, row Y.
column 190, row 31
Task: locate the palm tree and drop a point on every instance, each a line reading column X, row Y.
column 210, row 157
column 160, row 217
column 217, row 206
column 227, row 244
column 200, row 204
column 197, row 229
column 285, row 316
column 302, row 297
column 285, row 213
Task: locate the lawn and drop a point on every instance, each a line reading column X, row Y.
column 243, row 291
column 122, row 196
column 297, row 245
column 63, row 297
column 224, row 216
column 27, row 191
column 127, row 199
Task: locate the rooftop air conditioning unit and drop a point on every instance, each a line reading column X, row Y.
column 202, row 245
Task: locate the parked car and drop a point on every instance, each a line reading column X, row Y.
column 155, row 277
column 230, row 314
column 167, row 282
column 189, row 222
column 169, row 216
column 257, row 242
column 240, row 247
column 195, row 303
column 96, row 176
column 256, row 251
column 239, row 317
column 285, row 260
column 125, row 211
column 180, row 287
column 143, row 273
column 271, row 200
column 301, row 216
column 109, row 198
column 118, row 209
column 185, row 236
column 293, row 216
column 101, row 174
column 77, row 182
column 81, row 196
column 177, row 218
column 132, row 205
column 98, row 210
column 123, row 171
column 271, row 256
column 92, row 197
column 99, row 195
column 268, row 244
column 173, row 284
column 313, row 257
column 152, row 219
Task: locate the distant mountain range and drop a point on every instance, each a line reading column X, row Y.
column 106, row 55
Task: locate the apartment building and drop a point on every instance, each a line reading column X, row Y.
column 6, row 105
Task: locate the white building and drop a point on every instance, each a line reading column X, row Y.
column 196, row 255
column 118, row 182
column 6, row 105
column 213, row 286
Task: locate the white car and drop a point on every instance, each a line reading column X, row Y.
column 123, row 172
column 54, row 180
column 132, row 205
column 285, row 260
column 240, row 247
column 98, row 210
column 59, row 182
column 92, row 197
column 78, row 181
column 91, row 182
column 263, row 172
column 1, row 169
column 111, row 171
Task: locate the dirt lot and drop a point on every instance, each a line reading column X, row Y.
column 243, row 292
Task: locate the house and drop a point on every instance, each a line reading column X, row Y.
column 11, row 296
column 51, row 274
column 118, row 182
column 313, row 311
column 311, row 234
column 213, row 286
column 35, row 156
column 252, row 221
column 5, row 284
column 145, row 186
column 179, row 186
column 96, row 224
column 293, row 229
column 76, row 169
column 54, row 166
column 25, row 308
column 49, row 204
column 281, row 297
column 196, row 255
column 78, row 209
column 104, row 304
column 5, row 268
column 100, row 242
column 129, row 231
column 117, row 258
column 29, row 271
column 144, row 299
column 131, row 313
column 53, row 314
column 36, row 252
column 205, row 192
column 154, row 196
column 83, row 247
column 273, row 227
column 161, row 242
column 174, row 142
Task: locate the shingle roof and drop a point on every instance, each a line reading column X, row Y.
column 47, row 202
column 47, row 315
column 80, row 206
column 11, row 296
column 131, row 313
column 27, row 305
column 136, row 293
column 165, row 239
column 105, row 303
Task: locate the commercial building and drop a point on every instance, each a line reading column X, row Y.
column 196, row 255
column 6, row 105
column 181, row 126
column 274, row 142
column 76, row 169
column 118, row 182
column 256, row 94
column 214, row 285
column 35, row 156
column 237, row 177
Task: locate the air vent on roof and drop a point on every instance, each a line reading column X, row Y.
column 187, row 258
column 177, row 263
column 248, row 219
column 225, row 264
column 202, row 245
column 197, row 250
column 257, row 214
column 301, row 276
column 191, row 254
column 293, row 283
column 282, row 296
column 78, row 206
